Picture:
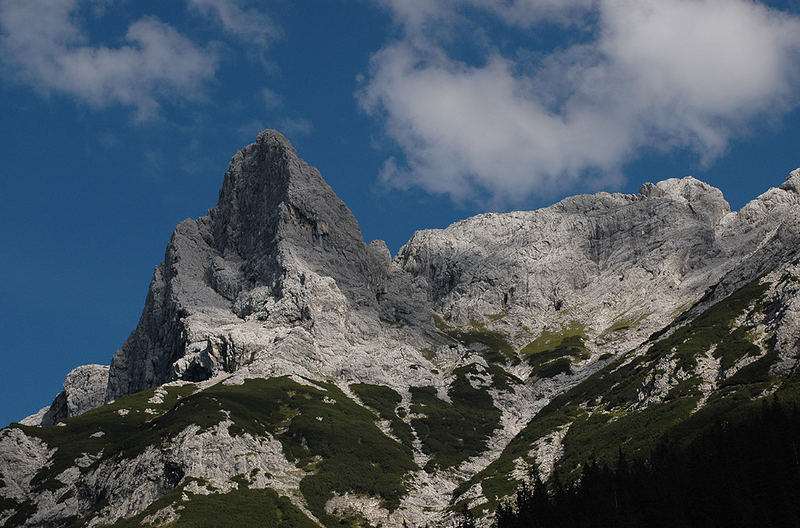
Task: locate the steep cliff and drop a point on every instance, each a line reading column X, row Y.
column 290, row 370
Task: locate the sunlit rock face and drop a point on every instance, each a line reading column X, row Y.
column 277, row 351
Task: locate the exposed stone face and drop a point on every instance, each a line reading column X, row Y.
column 257, row 256
column 277, row 280
column 84, row 389
column 275, row 209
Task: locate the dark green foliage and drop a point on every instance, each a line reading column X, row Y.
column 552, row 353
column 613, row 386
column 7, row 504
column 502, row 380
column 713, row 327
column 127, row 434
column 757, row 371
column 598, row 437
column 346, row 449
column 554, row 368
column 497, row 349
column 242, row 508
column 452, row 432
column 467, row 519
column 732, row 475
column 68, row 495
column 22, row 512
column 385, row 401
column 600, row 408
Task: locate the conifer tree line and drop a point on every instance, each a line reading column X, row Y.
column 732, row 475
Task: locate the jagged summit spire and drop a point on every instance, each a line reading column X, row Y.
column 258, row 180
column 277, row 241
column 274, row 203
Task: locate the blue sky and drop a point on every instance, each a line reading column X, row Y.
column 119, row 117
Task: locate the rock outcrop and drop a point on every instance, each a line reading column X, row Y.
column 84, row 389
column 279, row 247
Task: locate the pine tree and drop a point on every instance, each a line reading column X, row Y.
column 467, row 519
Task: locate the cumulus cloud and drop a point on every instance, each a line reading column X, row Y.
column 296, row 126
column 426, row 16
column 652, row 73
column 43, row 45
column 246, row 23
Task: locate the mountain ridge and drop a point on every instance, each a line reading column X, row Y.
column 449, row 356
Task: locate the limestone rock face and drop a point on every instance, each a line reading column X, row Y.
column 510, row 310
column 279, row 247
column 598, row 259
column 84, row 389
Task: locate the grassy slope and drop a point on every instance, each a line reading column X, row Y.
column 453, row 432
column 599, row 409
column 552, row 353
column 385, row 401
column 242, row 508
column 345, row 450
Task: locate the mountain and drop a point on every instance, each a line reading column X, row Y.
column 284, row 372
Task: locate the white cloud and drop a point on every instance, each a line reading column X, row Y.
column 272, row 99
column 655, row 73
column 295, row 126
column 43, row 45
column 245, row 23
column 424, row 17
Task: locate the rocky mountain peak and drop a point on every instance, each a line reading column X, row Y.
column 279, row 248
column 279, row 348
column 256, row 183
column 84, row 389
column 703, row 199
column 274, row 207
column 792, row 183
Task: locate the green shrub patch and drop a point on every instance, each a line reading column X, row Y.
column 453, row 432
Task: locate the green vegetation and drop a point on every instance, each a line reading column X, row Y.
column 428, row 353
column 497, row 316
column 497, row 349
column 713, row 327
column 552, row 353
column 22, row 512
column 621, row 324
column 598, row 437
column 7, row 504
column 549, row 340
column 241, row 508
column 395, row 324
column 320, row 428
column 126, row 434
column 385, row 401
column 502, row 380
column 755, row 372
column 452, row 432
column 600, row 409
column 733, row 474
